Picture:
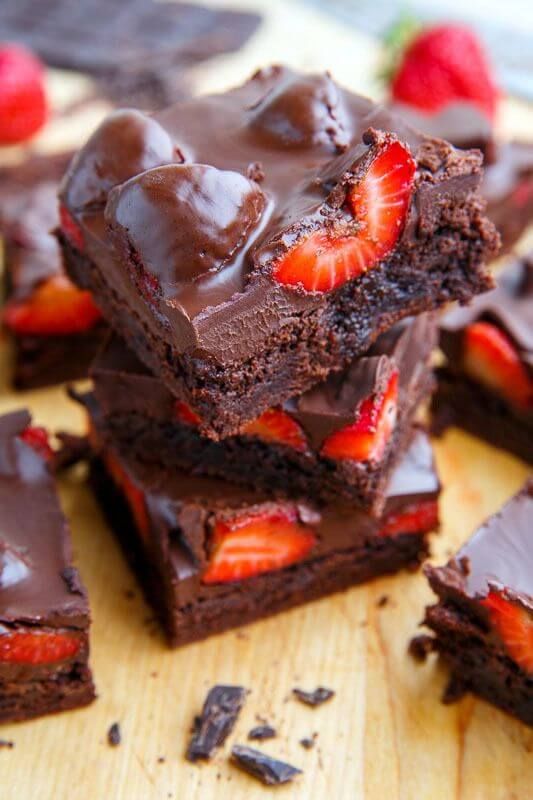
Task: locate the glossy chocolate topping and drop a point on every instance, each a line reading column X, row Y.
column 126, row 143
column 123, row 385
column 184, row 220
column 294, row 135
column 37, row 581
column 509, row 306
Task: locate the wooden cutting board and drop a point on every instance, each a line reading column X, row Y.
column 384, row 735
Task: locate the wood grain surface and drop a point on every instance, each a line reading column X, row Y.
column 384, row 736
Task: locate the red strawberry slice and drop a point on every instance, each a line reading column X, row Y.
column 443, row 64
column 252, row 543
column 366, row 439
column 133, row 495
column 70, row 228
column 514, row 625
column 37, row 647
column 37, row 438
column 275, row 425
column 490, row 357
column 185, row 414
column 379, row 202
column 56, row 308
column 23, row 104
column 415, row 518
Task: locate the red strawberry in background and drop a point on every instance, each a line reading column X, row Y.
column 23, row 103
column 55, row 308
column 255, row 542
column 378, row 201
column 37, row 438
column 441, row 65
column 277, row 426
column 37, row 647
column 514, row 625
column 490, row 357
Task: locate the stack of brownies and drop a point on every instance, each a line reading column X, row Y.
column 269, row 261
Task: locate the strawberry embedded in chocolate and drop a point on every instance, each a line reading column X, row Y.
column 133, row 495
column 37, row 438
column 420, row 517
column 125, row 144
column 514, row 625
column 257, row 541
column 182, row 221
column 367, row 438
column 377, row 202
column 184, row 413
column 55, row 308
column 70, row 229
column 302, row 111
column 491, row 358
column 275, row 425
column 22, row 646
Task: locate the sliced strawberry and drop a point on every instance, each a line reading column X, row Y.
column 37, row 647
column 37, row 438
column 490, row 357
column 366, row 439
column 185, row 414
column 275, row 425
column 133, row 495
column 56, row 308
column 252, row 543
column 514, row 625
column 379, row 201
column 70, row 228
column 415, row 518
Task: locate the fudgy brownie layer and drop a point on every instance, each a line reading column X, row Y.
column 477, row 665
column 21, row 700
column 466, row 404
column 263, row 595
column 275, row 162
column 47, row 360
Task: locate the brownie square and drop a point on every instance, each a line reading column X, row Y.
column 340, row 440
column 178, row 533
column 28, row 216
column 483, row 621
column 486, row 383
column 44, row 614
column 247, row 244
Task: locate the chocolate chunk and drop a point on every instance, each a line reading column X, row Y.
column 213, row 726
column 261, row 732
column 114, row 736
column 420, row 647
column 266, row 769
column 316, row 698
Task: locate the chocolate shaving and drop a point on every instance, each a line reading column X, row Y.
column 266, row 769
column 262, row 732
column 219, row 714
column 114, row 737
column 316, row 698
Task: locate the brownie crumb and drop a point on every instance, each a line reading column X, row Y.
column 383, row 600
column 266, row 769
column 161, row 760
column 114, row 736
column 262, row 732
column 315, row 698
column 7, row 744
column 420, row 647
column 308, row 742
column 219, row 714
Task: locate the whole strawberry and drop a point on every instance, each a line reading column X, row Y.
column 443, row 64
column 23, row 104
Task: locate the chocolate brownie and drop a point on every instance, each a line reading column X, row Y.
column 507, row 181
column 247, row 244
column 211, row 556
column 33, row 262
column 44, row 614
column 138, row 50
column 339, row 440
column 483, row 621
column 486, row 384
